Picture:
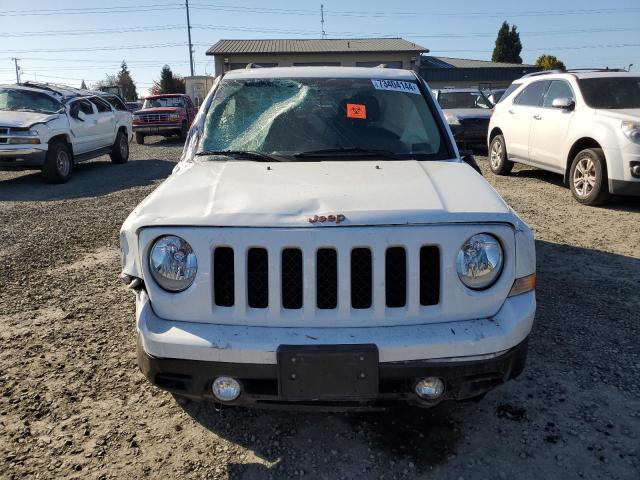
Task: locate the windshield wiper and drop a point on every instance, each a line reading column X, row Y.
column 244, row 154
column 347, row 152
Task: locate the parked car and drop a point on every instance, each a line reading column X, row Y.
column 582, row 125
column 495, row 94
column 53, row 127
column 321, row 243
column 134, row 106
column 467, row 111
column 165, row 115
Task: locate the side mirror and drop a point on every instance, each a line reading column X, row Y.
column 467, row 157
column 563, row 103
column 81, row 116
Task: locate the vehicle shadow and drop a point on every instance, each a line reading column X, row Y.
column 162, row 142
column 423, row 438
column 629, row 204
column 89, row 179
column 576, row 305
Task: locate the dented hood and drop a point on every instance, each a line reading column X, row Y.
column 258, row 194
column 14, row 119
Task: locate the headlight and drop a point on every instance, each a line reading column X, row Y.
column 136, row 118
column 173, row 263
column 174, row 116
column 479, row 261
column 451, row 119
column 631, row 130
column 23, row 141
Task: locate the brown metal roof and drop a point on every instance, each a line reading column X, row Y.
column 448, row 62
column 315, row 46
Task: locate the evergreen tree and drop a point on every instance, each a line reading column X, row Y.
column 550, row 62
column 168, row 83
column 83, row 85
column 126, row 83
column 508, row 45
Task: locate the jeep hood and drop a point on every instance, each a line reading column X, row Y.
column 13, row 119
column 259, row 194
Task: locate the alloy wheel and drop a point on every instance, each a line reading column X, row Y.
column 63, row 163
column 496, row 155
column 584, row 177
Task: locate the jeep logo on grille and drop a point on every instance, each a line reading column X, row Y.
column 339, row 218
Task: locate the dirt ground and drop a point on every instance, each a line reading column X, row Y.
column 74, row 405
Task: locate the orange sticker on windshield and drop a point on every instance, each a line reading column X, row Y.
column 356, row 110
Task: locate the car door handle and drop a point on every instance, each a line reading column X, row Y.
column 537, row 117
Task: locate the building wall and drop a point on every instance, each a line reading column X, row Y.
column 197, row 87
column 407, row 60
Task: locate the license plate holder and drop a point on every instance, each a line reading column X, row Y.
column 328, row 372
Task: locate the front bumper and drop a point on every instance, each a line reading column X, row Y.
column 463, row 134
column 464, row 380
column 19, row 156
column 157, row 128
column 473, row 356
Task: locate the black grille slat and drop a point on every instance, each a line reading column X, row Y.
column 326, row 278
column 429, row 275
column 361, row 278
column 223, row 277
column 257, row 278
column 396, row 277
column 291, row 278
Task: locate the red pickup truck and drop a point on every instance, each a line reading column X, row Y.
column 164, row 115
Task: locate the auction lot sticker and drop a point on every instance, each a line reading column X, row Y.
column 396, row 86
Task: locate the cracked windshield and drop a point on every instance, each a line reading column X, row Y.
column 292, row 116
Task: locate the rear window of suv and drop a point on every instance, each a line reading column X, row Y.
column 611, row 92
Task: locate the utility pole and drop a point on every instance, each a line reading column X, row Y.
column 15, row 61
column 323, row 34
column 186, row 4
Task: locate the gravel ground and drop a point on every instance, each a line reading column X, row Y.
column 73, row 403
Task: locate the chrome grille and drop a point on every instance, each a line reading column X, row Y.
column 154, row 117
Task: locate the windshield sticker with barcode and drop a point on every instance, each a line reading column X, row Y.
column 396, row 86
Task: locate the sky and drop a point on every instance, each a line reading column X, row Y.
column 66, row 41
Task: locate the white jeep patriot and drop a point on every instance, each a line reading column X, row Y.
column 322, row 244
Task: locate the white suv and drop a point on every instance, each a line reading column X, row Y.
column 582, row 125
column 52, row 127
column 321, row 243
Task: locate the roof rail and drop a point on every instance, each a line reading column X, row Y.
column 596, row 70
column 543, row 72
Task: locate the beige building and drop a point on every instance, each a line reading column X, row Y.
column 363, row 52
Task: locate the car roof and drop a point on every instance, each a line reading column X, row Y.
column 62, row 93
column 458, row 90
column 166, row 95
column 321, row 72
column 577, row 74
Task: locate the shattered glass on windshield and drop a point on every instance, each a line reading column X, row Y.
column 287, row 116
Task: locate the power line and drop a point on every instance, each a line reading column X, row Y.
column 100, row 49
column 92, row 10
column 100, row 31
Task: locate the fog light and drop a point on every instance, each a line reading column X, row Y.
column 430, row 388
column 226, row 389
column 635, row 170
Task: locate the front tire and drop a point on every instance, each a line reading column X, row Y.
column 498, row 160
column 139, row 139
column 588, row 177
column 120, row 150
column 58, row 163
